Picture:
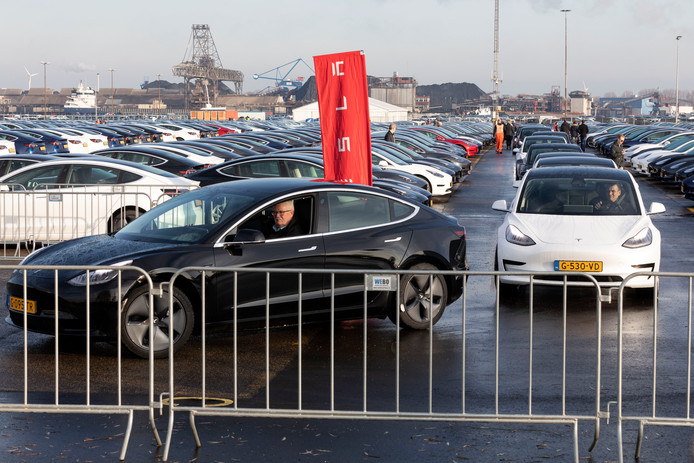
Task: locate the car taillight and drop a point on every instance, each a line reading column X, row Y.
column 192, row 133
column 95, row 140
column 167, row 134
column 74, row 142
column 187, row 172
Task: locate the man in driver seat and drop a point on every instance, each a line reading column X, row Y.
column 613, row 203
column 284, row 223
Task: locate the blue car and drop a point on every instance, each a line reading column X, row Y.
column 54, row 144
column 23, row 143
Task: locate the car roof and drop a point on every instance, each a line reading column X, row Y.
column 574, row 161
column 579, row 172
column 555, row 146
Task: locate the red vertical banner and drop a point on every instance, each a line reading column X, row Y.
column 343, row 105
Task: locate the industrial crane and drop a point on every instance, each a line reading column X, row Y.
column 280, row 79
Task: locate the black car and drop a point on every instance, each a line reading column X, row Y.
column 221, row 226
column 151, row 156
column 525, row 163
column 299, row 165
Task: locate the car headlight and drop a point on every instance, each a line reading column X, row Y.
column 639, row 240
column 97, row 277
column 515, row 236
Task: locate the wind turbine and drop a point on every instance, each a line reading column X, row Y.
column 30, row 75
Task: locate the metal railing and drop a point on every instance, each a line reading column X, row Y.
column 664, row 341
column 318, row 380
column 48, row 214
column 428, row 408
column 65, row 400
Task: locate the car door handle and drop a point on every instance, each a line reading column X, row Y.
column 393, row 240
column 312, row 248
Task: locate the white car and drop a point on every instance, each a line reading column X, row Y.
column 78, row 141
column 68, row 198
column 640, row 162
column 440, row 183
column 173, row 132
column 675, row 139
column 563, row 220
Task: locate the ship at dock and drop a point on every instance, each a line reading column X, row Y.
column 81, row 101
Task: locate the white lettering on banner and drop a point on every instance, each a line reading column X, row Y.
column 344, row 102
column 343, row 144
column 336, row 68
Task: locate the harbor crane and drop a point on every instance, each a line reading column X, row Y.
column 281, row 77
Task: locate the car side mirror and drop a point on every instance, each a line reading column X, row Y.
column 656, row 208
column 383, row 163
column 249, row 235
column 500, row 205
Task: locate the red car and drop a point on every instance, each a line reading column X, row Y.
column 433, row 133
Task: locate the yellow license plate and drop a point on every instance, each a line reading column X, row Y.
column 17, row 303
column 577, row 266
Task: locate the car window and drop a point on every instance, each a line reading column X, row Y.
column 92, row 175
column 43, row 175
column 140, row 158
column 350, row 210
column 302, row 169
column 253, row 169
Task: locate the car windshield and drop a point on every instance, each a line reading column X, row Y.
column 188, row 218
column 568, row 195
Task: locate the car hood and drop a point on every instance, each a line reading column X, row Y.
column 600, row 230
column 93, row 250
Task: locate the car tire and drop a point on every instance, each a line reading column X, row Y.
column 121, row 218
column 135, row 322
column 416, row 292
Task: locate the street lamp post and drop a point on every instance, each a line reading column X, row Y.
column 677, row 81
column 45, row 63
column 113, row 112
column 159, row 95
column 566, row 95
column 96, row 99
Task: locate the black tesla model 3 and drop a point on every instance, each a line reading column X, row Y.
column 226, row 225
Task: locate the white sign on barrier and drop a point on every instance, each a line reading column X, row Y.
column 381, row 282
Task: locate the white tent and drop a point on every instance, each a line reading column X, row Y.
column 379, row 111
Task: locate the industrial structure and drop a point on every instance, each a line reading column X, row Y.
column 202, row 68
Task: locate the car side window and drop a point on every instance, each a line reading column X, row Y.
column 356, row 210
column 46, row 175
column 273, row 219
column 301, row 169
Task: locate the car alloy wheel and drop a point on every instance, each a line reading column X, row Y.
column 422, row 297
column 177, row 322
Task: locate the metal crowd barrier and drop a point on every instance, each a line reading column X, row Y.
column 66, row 400
column 428, row 408
column 664, row 342
column 480, row 390
column 50, row 213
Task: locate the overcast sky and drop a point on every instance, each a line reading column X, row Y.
column 613, row 45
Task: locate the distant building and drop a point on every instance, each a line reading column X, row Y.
column 625, row 107
column 395, row 90
column 421, row 103
column 580, row 102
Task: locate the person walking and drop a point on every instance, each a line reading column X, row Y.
column 565, row 127
column 583, row 135
column 573, row 132
column 390, row 134
column 499, row 135
column 509, row 130
column 617, row 152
